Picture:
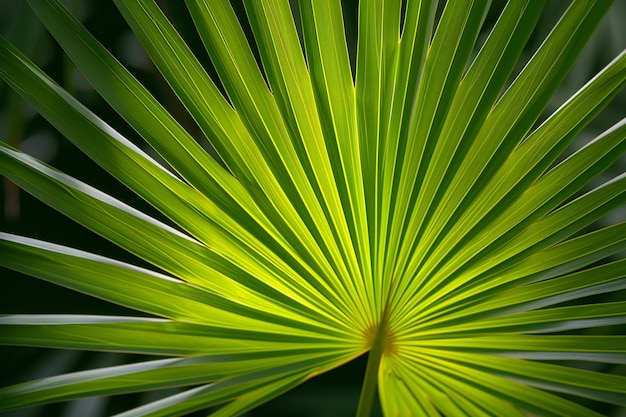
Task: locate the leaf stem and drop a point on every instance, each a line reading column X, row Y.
column 370, row 382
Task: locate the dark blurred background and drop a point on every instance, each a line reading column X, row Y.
column 334, row 394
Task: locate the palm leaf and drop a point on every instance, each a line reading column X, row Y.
column 412, row 205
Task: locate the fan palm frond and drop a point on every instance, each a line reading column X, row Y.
column 414, row 208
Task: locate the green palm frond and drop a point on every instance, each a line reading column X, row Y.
column 411, row 204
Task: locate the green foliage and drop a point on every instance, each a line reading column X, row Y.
column 410, row 205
